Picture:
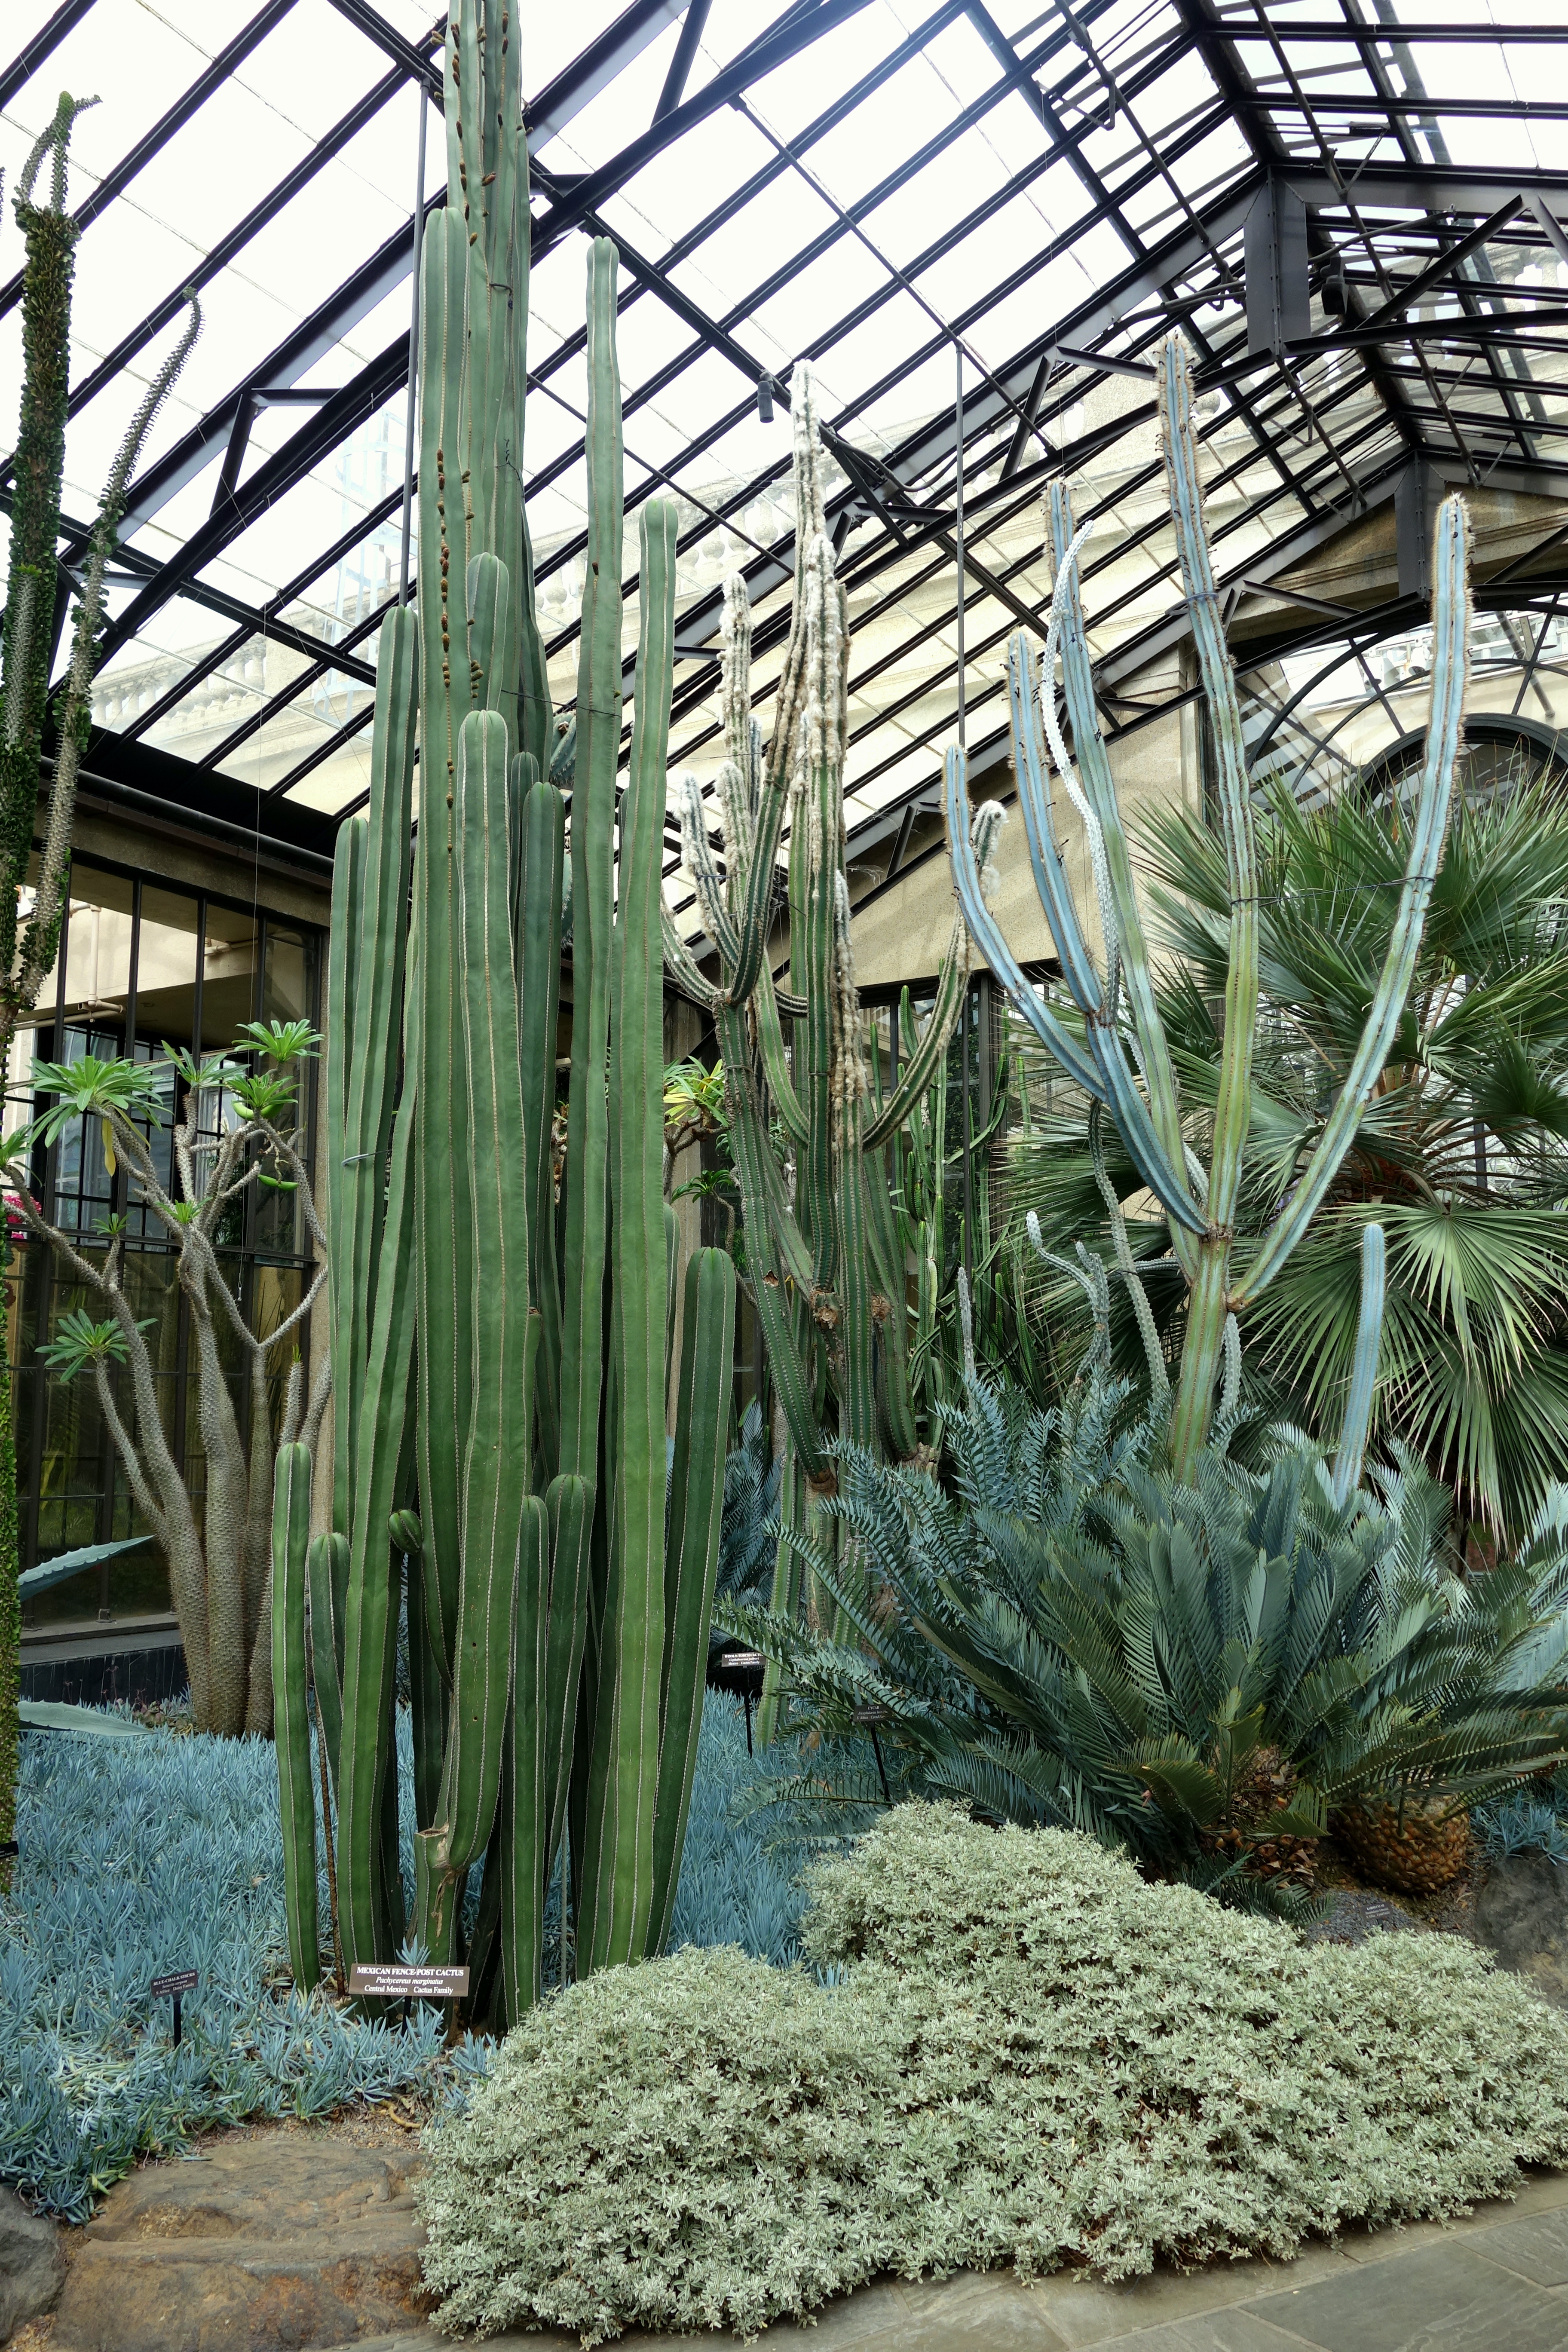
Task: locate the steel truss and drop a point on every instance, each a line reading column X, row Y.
column 1404, row 340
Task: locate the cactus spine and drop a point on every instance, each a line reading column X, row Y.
column 1149, row 1118
column 557, row 1638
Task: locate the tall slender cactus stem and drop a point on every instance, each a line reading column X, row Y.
column 1202, row 1210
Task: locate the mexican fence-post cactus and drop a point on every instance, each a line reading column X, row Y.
column 1148, row 1115
column 491, row 1359
column 291, row 1707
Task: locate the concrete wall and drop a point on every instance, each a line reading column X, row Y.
column 901, row 932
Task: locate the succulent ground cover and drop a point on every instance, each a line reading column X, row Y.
column 1013, row 2051
column 160, row 1852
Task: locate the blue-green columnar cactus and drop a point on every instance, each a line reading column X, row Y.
column 1117, row 1051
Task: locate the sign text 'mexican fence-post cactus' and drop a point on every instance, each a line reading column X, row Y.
column 1121, row 1057
column 500, row 1360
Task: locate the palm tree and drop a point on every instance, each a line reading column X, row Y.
column 1460, row 1155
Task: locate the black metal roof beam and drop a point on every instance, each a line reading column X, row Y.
column 264, row 623
column 200, row 592
column 1209, row 34
column 1422, row 187
column 1377, row 70
column 322, row 752
column 218, row 257
column 154, row 141
column 596, row 65
column 1411, row 289
column 776, row 568
column 1417, row 109
column 933, row 444
column 327, row 660
column 983, row 412
column 1351, row 35
column 44, row 43
column 411, row 59
column 795, row 31
column 572, row 345
column 308, row 343
column 1489, row 328
column 685, row 58
column 331, row 423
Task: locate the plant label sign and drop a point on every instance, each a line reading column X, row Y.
column 172, row 1986
column 9, row 1850
column 393, row 1981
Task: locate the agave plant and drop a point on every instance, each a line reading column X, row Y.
column 1460, row 1153
column 1068, row 1632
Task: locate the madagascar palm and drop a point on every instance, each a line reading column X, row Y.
column 1460, row 1154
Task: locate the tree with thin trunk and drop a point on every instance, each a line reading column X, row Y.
column 220, row 1565
column 31, row 916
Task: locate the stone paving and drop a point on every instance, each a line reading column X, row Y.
column 1498, row 2283
column 252, row 2252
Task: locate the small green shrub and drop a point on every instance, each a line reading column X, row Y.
column 1026, row 2055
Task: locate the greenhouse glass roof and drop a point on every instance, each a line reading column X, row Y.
column 977, row 221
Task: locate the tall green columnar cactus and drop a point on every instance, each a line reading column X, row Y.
column 827, row 1275
column 1148, row 1114
column 291, row 1707
column 557, row 1632
column 650, row 1654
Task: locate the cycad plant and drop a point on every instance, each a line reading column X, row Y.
column 1125, row 1062
column 1068, row 1633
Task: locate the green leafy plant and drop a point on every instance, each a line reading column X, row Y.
column 219, row 1563
column 1067, row 1634
column 1460, row 1150
column 281, row 1042
column 80, row 1342
column 1026, row 2056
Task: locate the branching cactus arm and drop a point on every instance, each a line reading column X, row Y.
column 1450, row 663
column 990, row 939
column 1094, row 767
column 1363, row 1366
column 1028, row 703
column 1233, row 1108
column 952, row 982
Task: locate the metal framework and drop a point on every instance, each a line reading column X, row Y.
column 1354, row 214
